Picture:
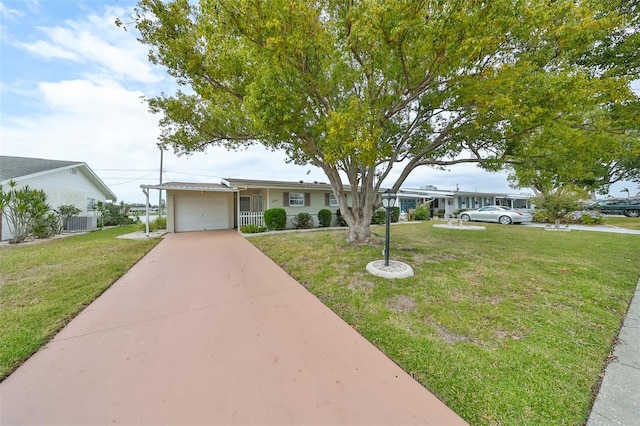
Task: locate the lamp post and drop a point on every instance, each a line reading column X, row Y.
column 388, row 201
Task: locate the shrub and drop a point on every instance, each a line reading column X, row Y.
column 324, row 218
column 252, row 229
column 66, row 212
column 110, row 214
column 23, row 208
column 302, row 221
column 585, row 217
column 395, row 214
column 47, row 226
column 423, row 212
column 161, row 223
column 379, row 217
column 275, row 219
column 558, row 206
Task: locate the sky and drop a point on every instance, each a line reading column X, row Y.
column 71, row 88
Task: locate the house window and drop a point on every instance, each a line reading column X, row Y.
column 333, row 201
column 296, row 199
column 245, row 203
column 91, row 203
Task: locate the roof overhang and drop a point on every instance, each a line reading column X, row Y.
column 188, row 186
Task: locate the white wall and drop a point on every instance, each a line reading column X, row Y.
column 62, row 188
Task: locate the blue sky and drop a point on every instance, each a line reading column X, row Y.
column 71, row 84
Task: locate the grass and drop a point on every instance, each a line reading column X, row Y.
column 623, row 222
column 508, row 326
column 44, row 285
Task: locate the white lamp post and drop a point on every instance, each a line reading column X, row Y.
column 388, row 202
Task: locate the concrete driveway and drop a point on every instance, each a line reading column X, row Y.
column 207, row 330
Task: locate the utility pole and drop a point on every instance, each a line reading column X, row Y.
column 160, row 191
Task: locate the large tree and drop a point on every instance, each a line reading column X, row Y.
column 359, row 87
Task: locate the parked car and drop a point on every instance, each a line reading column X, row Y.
column 626, row 206
column 499, row 214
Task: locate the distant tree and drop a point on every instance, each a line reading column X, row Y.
column 357, row 88
column 558, row 204
column 22, row 208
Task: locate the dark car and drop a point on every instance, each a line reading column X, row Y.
column 626, row 206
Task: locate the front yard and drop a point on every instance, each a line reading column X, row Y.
column 511, row 325
column 44, row 285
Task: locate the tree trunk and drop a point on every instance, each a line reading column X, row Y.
column 557, row 223
column 359, row 227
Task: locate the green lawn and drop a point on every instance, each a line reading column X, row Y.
column 508, row 326
column 44, row 285
column 623, row 222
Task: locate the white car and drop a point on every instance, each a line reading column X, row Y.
column 499, row 214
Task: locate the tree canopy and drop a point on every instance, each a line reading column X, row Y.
column 358, row 87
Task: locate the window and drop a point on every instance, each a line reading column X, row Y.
column 91, row 203
column 333, row 201
column 296, row 199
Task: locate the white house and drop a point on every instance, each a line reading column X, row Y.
column 447, row 203
column 64, row 182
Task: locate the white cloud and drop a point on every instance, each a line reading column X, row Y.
column 48, row 50
column 7, row 13
column 98, row 44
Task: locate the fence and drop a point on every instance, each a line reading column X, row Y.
column 82, row 223
column 251, row 218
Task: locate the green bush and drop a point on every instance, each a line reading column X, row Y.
column 423, row 212
column 395, row 214
column 302, row 221
column 161, row 223
column 324, row 218
column 275, row 219
column 252, row 229
column 47, row 226
column 379, row 217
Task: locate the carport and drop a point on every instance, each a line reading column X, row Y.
column 197, row 206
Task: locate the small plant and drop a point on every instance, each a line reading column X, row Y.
column 22, row 208
column 252, row 229
column 324, row 218
column 47, row 226
column 302, row 221
column 379, row 217
column 67, row 212
column 275, row 219
column 395, row 214
column 423, row 211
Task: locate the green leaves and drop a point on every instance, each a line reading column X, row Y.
column 360, row 86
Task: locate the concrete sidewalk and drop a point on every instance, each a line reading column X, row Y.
column 618, row 400
column 207, row 330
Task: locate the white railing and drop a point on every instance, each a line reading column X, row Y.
column 251, row 218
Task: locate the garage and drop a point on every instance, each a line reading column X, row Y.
column 202, row 212
column 197, row 207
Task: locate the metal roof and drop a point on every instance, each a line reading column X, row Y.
column 188, row 186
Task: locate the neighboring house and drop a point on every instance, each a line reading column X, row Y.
column 447, row 203
column 64, row 182
column 233, row 203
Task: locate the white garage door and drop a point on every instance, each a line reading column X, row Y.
column 201, row 212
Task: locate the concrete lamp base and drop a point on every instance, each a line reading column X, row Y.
column 394, row 270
